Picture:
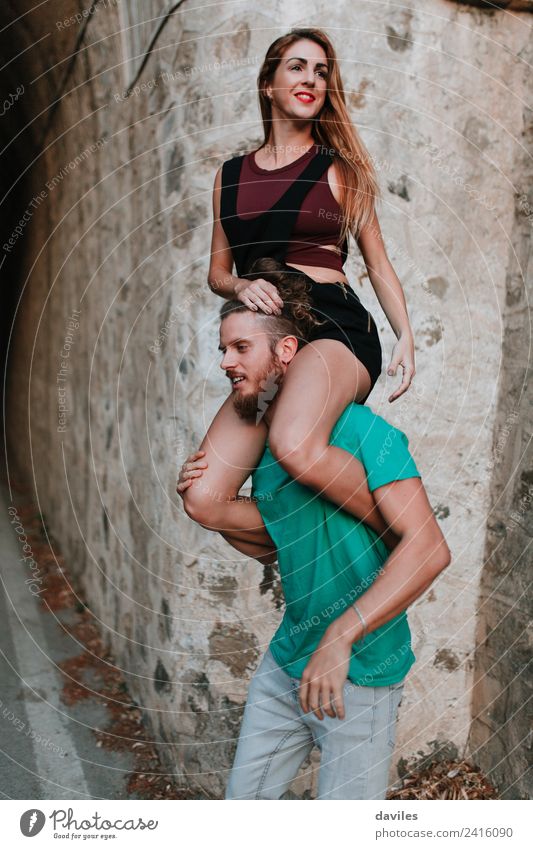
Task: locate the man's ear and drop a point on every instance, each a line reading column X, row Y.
column 288, row 347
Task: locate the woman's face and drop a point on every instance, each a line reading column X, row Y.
column 299, row 86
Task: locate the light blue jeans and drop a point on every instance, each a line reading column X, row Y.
column 276, row 737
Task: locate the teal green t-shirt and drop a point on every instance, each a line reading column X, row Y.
column 327, row 558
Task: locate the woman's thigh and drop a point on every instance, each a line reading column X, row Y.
column 323, row 378
column 233, row 448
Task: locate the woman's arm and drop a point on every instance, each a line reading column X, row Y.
column 220, row 279
column 255, row 294
column 392, row 299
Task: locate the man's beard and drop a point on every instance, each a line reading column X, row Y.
column 252, row 406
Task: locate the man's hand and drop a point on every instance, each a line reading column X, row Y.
column 192, row 468
column 324, row 677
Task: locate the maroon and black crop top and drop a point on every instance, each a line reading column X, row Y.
column 313, row 216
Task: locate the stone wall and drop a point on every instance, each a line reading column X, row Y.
column 501, row 732
column 127, row 125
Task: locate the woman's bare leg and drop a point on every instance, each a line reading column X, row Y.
column 233, row 448
column 265, row 554
column 322, row 379
column 253, row 539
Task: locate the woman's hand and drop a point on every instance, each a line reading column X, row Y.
column 259, row 295
column 324, row 677
column 192, row 468
column 403, row 354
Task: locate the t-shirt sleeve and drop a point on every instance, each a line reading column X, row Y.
column 384, row 452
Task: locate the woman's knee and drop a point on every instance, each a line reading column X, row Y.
column 297, row 453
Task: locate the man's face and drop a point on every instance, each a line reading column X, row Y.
column 254, row 370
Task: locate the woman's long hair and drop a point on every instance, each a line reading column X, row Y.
column 333, row 129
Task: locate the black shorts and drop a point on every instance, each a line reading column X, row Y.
column 346, row 320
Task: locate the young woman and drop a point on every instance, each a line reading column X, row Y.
column 295, row 199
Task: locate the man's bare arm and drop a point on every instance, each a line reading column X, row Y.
column 265, row 554
column 410, row 569
column 253, row 541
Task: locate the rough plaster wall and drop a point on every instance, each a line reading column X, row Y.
column 501, row 738
column 444, row 140
column 437, row 94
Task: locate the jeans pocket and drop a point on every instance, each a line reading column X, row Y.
column 395, row 699
column 360, row 706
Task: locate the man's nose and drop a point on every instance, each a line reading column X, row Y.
column 227, row 361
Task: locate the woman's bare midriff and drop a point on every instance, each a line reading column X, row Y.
column 322, row 275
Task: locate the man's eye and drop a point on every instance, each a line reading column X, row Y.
column 241, row 348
